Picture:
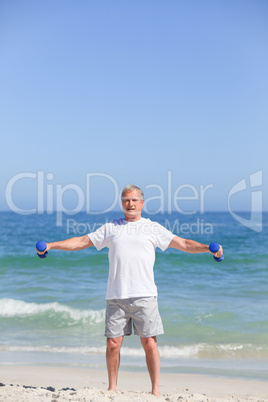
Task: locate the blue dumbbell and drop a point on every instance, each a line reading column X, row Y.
column 214, row 247
column 41, row 246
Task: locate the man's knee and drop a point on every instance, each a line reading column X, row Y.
column 149, row 344
column 114, row 344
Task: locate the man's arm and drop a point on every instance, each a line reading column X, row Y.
column 72, row 244
column 191, row 246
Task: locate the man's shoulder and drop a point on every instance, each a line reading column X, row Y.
column 154, row 226
column 148, row 221
column 111, row 226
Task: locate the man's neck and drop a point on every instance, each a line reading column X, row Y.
column 132, row 218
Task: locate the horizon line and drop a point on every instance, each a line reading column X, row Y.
column 120, row 210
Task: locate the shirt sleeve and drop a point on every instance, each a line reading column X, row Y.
column 100, row 237
column 162, row 236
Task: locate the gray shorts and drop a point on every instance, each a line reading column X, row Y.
column 141, row 311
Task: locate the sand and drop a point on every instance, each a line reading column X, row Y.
column 56, row 384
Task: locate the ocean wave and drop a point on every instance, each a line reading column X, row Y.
column 198, row 351
column 51, row 349
column 11, row 308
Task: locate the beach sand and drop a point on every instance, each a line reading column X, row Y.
column 56, row 384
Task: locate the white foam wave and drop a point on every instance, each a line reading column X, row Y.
column 50, row 349
column 169, row 352
column 19, row 308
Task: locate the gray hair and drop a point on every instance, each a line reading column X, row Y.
column 131, row 187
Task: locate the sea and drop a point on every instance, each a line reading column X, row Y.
column 215, row 314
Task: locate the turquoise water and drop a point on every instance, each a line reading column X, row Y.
column 215, row 315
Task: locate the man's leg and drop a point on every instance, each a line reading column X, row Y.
column 153, row 362
column 113, row 360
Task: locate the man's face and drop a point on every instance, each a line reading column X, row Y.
column 132, row 205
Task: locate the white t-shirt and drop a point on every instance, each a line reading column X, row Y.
column 131, row 255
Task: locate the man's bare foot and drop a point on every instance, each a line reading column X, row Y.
column 112, row 389
column 156, row 393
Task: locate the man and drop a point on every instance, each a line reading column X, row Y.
column 131, row 297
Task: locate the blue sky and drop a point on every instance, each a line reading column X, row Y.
column 142, row 91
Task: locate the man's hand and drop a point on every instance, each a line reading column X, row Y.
column 219, row 252
column 46, row 250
